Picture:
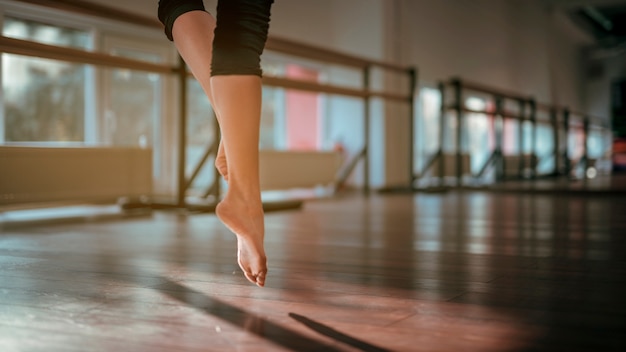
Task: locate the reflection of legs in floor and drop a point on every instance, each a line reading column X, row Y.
column 236, row 99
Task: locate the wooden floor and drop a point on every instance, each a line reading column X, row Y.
column 458, row 271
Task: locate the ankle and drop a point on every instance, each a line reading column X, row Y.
column 239, row 196
column 233, row 202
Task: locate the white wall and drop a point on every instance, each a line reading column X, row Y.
column 604, row 66
column 455, row 37
column 512, row 44
column 567, row 65
column 140, row 7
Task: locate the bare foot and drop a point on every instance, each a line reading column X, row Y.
column 246, row 222
column 220, row 161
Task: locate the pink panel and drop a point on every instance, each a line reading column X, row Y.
column 302, row 112
column 509, row 137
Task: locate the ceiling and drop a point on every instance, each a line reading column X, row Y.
column 603, row 20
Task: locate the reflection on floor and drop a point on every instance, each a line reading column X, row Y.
column 459, row 271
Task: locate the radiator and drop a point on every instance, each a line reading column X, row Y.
column 450, row 165
column 30, row 175
column 511, row 163
column 281, row 170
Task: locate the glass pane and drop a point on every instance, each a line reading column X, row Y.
column 133, row 110
column 479, row 134
column 545, row 148
column 200, row 133
column 576, row 143
column 427, row 127
column 269, row 138
column 273, row 132
column 510, row 138
column 44, row 100
column 45, row 33
column 449, row 133
column 596, row 150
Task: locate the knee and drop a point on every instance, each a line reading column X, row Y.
column 170, row 10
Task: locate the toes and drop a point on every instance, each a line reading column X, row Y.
column 260, row 279
column 250, row 277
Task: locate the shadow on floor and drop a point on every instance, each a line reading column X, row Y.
column 249, row 322
column 336, row 335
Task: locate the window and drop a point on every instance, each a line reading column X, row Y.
column 132, row 117
column 200, row 133
column 427, row 127
column 272, row 132
column 273, row 119
column 44, row 100
column 480, row 136
column 545, row 148
column 133, row 103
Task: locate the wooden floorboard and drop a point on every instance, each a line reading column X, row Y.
column 457, row 271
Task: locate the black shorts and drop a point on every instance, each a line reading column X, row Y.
column 240, row 32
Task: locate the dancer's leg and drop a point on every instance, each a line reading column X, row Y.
column 240, row 35
column 193, row 36
column 237, row 100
